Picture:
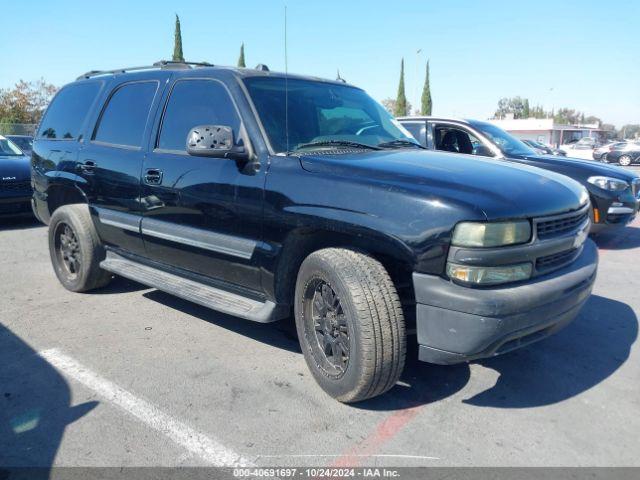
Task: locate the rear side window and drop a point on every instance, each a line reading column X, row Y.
column 193, row 103
column 68, row 111
column 124, row 118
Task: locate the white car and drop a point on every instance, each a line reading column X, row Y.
column 583, row 148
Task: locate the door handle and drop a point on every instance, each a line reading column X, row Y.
column 153, row 176
column 88, row 167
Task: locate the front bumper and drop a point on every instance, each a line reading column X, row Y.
column 458, row 324
column 613, row 210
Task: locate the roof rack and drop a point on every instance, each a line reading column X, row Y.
column 162, row 64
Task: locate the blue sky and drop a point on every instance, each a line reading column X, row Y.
column 579, row 54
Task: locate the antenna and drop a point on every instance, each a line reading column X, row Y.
column 286, row 83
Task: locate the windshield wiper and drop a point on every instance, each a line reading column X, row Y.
column 399, row 143
column 336, row 143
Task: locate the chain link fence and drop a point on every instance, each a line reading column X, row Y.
column 18, row 129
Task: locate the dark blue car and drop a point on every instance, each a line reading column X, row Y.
column 15, row 181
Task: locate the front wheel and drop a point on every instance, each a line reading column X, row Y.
column 350, row 324
column 624, row 160
column 75, row 249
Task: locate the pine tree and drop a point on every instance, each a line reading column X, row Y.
column 426, row 95
column 177, row 43
column 401, row 100
column 241, row 57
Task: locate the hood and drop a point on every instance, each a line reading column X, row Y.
column 500, row 190
column 578, row 168
column 12, row 167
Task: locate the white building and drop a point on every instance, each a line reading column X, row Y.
column 545, row 131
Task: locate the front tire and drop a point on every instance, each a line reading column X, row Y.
column 75, row 249
column 350, row 324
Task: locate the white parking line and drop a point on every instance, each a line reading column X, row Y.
column 194, row 441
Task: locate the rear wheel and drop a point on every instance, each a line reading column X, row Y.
column 75, row 249
column 624, row 160
column 350, row 324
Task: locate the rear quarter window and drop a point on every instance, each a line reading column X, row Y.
column 67, row 112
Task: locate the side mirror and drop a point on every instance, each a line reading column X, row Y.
column 214, row 141
column 483, row 151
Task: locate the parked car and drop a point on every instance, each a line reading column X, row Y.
column 543, row 149
column 601, row 152
column 259, row 194
column 25, row 142
column 625, row 154
column 614, row 192
column 15, row 181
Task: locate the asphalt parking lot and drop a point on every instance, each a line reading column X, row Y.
column 130, row 376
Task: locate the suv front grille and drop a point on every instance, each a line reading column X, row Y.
column 24, row 186
column 556, row 260
column 559, row 226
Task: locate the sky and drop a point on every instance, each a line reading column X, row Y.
column 557, row 53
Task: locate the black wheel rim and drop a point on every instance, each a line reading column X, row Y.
column 68, row 250
column 327, row 329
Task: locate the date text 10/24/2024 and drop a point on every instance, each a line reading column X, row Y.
column 319, row 472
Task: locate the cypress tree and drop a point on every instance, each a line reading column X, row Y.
column 526, row 112
column 427, row 105
column 241, row 57
column 401, row 100
column 177, row 43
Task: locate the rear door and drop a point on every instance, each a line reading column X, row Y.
column 111, row 161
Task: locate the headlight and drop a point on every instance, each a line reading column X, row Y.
column 608, row 183
column 470, row 234
column 489, row 275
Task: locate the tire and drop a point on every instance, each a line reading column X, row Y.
column 366, row 308
column 624, row 160
column 75, row 249
column 603, row 158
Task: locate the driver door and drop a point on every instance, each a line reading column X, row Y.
column 200, row 214
column 454, row 138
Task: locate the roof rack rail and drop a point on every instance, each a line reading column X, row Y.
column 162, row 64
column 176, row 64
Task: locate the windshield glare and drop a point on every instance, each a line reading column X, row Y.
column 320, row 112
column 508, row 144
column 8, row 148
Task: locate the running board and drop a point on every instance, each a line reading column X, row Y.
column 211, row 297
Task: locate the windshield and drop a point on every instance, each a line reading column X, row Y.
column 8, row 148
column 323, row 115
column 508, row 144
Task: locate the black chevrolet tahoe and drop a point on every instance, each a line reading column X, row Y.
column 259, row 194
